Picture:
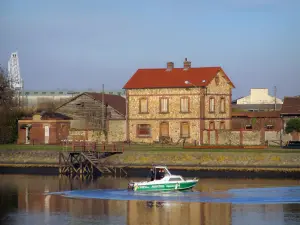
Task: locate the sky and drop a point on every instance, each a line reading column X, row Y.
column 82, row 44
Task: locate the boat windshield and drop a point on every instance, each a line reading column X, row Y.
column 158, row 173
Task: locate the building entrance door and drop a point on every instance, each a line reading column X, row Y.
column 47, row 134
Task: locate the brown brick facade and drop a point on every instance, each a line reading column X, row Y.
column 257, row 121
column 58, row 130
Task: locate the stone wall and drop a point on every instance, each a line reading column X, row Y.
column 228, row 137
column 116, row 133
column 116, row 130
column 273, row 137
column 252, row 138
column 244, row 137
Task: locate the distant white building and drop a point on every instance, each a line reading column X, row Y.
column 14, row 75
column 259, row 96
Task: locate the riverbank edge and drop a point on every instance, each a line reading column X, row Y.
column 171, row 167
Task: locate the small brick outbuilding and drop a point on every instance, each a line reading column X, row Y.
column 43, row 128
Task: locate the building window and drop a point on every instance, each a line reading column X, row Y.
column 248, row 127
column 164, row 105
column 211, row 105
column 184, row 105
column 269, row 127
column 143, row 130
column 143, row 105
column 184, row 130
column 211, row 125
column 81, row 104
column 164, row 129
column 222, row 125
column 222, row 105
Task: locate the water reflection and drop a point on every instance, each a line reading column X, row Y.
column 22, row 202
column 178, row 213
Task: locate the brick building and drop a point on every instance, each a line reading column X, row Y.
column 43, row 128
column 291, row 109
column 177, row 103
column 257, row 120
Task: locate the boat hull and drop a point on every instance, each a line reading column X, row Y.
column 164, row 186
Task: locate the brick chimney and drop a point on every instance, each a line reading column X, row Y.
column 186, row 64
column 170, row 66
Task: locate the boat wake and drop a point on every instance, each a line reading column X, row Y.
column 276, row 195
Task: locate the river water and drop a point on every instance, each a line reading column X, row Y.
column 36, row 199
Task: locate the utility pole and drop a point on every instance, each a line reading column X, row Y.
column 275, row 93
column 102, row 107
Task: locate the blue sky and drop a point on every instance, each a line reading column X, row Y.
column 83, row 44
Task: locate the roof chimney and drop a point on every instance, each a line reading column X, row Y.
column 186, row 64
column 170, row 66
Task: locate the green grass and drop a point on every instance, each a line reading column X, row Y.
column 150, row 148
column 31, row 147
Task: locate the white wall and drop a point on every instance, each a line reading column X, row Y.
column 259, row 96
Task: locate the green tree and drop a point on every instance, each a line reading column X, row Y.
column 292, row 125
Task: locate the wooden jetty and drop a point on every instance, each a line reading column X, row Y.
column 84, row 159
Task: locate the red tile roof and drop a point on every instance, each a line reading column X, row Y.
column 291, row 105
column 163, row 78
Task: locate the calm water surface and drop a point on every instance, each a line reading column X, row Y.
column 23, row 201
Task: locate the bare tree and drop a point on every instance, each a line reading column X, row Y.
column 6, row 93
column 9, row 113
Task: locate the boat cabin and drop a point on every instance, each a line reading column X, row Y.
column 161, row 172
